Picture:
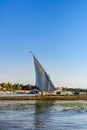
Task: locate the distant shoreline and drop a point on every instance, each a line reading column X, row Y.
column 62, row 97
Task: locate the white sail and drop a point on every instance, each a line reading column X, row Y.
column 42, row 79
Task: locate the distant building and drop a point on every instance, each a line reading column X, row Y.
column 58, row 92
column 76, row 92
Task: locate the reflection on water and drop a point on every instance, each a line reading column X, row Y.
column 43, row 115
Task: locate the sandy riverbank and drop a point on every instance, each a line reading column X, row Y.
column 63, row 97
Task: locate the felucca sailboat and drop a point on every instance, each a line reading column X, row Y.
column 43, row 81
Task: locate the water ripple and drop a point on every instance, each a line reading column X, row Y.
column 43, row 115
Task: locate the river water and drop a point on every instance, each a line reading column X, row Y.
column 43, row 115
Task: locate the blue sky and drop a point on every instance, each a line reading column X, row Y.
column 56, row 32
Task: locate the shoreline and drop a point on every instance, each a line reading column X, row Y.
column 58, row 97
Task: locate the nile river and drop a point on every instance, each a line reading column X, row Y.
column 43, row 115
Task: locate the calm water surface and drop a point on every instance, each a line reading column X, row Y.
column 43, row 115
